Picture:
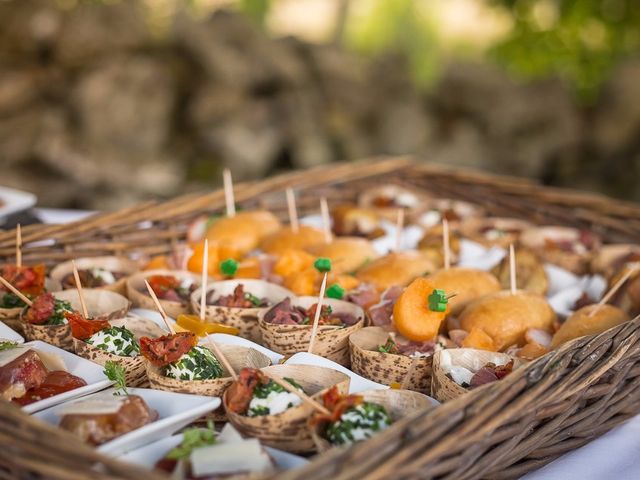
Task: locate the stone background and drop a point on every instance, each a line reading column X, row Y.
column 97, row 111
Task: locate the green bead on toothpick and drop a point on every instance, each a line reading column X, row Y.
column 322, row 264
column 229, row 267
column 438, row 301
column 335, row 291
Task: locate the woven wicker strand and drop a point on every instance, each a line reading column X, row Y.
column 502, row 430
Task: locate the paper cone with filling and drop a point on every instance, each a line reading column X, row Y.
column 289, row 430
column 398, row 403
column 244, row 319
column 565, row 247
column 110, row 263
column 138, row 294
column 239, row 357
column 331, row 342
column 134, row 367
column 101, row 305
column 443, row 387
column 387, row 368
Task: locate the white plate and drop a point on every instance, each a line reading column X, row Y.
column 358, row 383
column 225, row 339
column 151, row 315
column 175, row 410
column 10, row 334
column 149, row 455
column 12, row 201
column 90, row 372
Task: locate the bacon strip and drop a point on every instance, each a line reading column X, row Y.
column 240, row 393
column 167, row 349
column 337, row 404
column 83, row 328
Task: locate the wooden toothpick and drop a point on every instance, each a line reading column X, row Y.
column 15, row 291
column 445, row 243
column 18, row 246
column 83, row 305
column 326, row 220
column 293, row 211
column 228, row 192
column 303, row 396
column 203, row 305
column 633, row 267
column 399, row 229
column 159, row 307
column 316, row 318
column 512, row 269
column 205, row 279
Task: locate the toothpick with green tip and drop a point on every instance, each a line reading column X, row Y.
column 323, row 265
column 335, row 291
column 229, row 267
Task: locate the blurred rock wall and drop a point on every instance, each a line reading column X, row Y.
column 96, row 111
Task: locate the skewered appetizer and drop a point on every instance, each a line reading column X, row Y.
column 395, row 269
column 355, row 418
column 242, row 232
column 101, row 341
column 387, row 199
column 352, row 419
column 628, row 296
column 353, row 221
column 496, row 231
column 500, row 320
column 173, row 289
column 286, row 328
column 468, row 284
column 610, row 259
column 239, row 303
column 454, row 211
column 431, row 245
column 204, row 454
column 28, row 375
column 179, row 356
column 529, row 272
column 458, row 370
column 566, row 247
column 258, row 407
column 287, row 239
column 347, row 254
column 30, row 281
column 589, row 320
column 96, row 272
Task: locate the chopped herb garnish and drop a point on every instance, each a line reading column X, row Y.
column 7, row 345
column 197, row 364
column 389, row 347
column 11, row 300
column 192, row 439
column 116, row 373
column 59, row 309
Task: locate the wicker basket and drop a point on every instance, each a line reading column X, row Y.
column 502, row 430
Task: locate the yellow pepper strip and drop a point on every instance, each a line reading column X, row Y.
column 202, row 329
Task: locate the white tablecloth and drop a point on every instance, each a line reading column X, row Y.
column 615, row 455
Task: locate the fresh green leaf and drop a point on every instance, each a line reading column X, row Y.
column 116, row 373
column 192, row 439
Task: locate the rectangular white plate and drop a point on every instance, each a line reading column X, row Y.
column 12, row 201
column 175, row 410
column 90, row 372
column 149, row 455
column 10, row 334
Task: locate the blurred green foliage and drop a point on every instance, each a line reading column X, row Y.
column 398, row 26
column 580, row 40
column 255, row 9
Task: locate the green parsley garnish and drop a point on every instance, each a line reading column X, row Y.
column 6, row 345
column 192, row 439
column 389, row 347
column 367, row 418
column 116, row 373
column 59, row 309
column 117, row 340
column 11, row 300
column 256, row 301
column 197, row 364
column 262, row 391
